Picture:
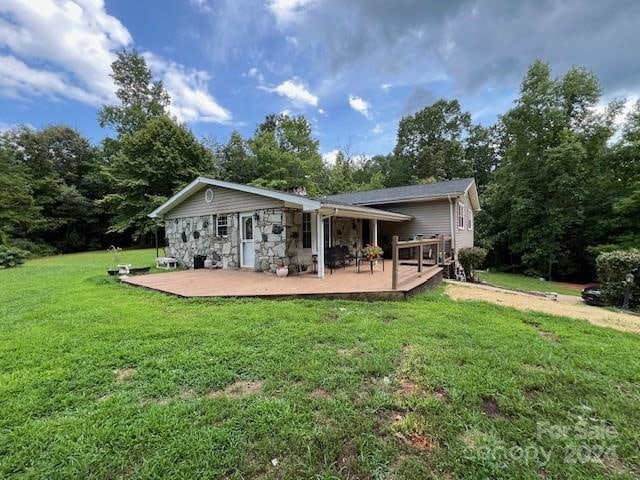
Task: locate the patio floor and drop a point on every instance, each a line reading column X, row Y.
column 344, row 283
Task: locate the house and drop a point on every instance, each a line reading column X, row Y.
column 242, row 226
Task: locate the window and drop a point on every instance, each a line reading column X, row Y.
column 461, row 209
column 221, row 226
column 469, row 219
column 306, row 230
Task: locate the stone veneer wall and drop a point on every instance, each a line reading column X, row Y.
column 347, row 232
column 270, row 233
column 223, row 251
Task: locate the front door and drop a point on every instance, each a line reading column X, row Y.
column 247, row 249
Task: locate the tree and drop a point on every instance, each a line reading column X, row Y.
column 150, row 166
column 539, row 208
column 62, row 168
column 237, row 161
column 18, row 212
column 480, row 151
column 430, row 144
column 140, row 97
column 286, row 155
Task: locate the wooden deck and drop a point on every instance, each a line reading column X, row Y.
column 344, row 283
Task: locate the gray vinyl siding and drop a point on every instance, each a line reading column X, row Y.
column 464, row 237
column 429, row 218
column 225, row 200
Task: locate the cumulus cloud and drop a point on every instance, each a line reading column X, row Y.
column 294, row 90
column 188, row 88
column 75, row 39
column 65, row 50
column 360, row 105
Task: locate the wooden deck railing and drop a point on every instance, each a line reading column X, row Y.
column 441, row 244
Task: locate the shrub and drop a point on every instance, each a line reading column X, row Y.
column 12, row 256
column 613, row 268
column 471, row 259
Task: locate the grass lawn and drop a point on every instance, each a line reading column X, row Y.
column 102, row 380
column 523, row 282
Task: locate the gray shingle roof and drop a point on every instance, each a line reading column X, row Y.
column 395, row 194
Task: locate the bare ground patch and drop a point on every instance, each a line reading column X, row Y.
column 490, row 407
column 320, row 393
column 239, row 389
column 124, row 374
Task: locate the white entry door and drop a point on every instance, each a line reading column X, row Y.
column 247, row 249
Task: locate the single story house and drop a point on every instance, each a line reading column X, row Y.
column 242, row 226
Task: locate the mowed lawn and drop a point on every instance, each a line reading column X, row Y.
column 102, row 380
column 522, row 282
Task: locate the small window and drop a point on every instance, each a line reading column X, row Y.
column 461, row 209
column 306, row 230
column 221, row 226
column 469, row 219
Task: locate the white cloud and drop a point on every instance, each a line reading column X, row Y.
column 76, row 40
column 360, row 105
column 190, row 97
column 295, row 91
column 385, row 86
column 330, row 156
column 5, row 127
column 321, row 111
column 377, row 129
column 255, row 73
column 292, row 40
column 288, row 11
column 65, row 50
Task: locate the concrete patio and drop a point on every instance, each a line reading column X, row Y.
column 345, row 283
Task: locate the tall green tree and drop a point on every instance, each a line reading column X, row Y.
column 140, row 97
column 287, row 155
column 540, row 209
column 151, row 165
column 430, row 145
column 237, row 161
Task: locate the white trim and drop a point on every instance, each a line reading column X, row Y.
column 242, row 241
column 428, row 198
column 305, row 203
column 353, row 211
column 475, row 198
column 458, row 216
column 469, row 218
column 226, row 225
column 320, row 244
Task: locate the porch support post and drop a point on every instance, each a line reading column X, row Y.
column 374, row 235
column 320, row 244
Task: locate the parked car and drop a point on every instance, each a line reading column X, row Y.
column 592, row 295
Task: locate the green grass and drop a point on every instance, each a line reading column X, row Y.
column 343, row 384
column 523, row 282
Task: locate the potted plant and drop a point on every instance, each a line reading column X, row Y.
column 372, row 252
column 282, row 270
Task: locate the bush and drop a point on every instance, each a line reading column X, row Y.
column 613, row 268
column 12, row 256
column 471, row 259
column 35, row 249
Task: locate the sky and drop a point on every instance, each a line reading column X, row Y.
column 353, row 68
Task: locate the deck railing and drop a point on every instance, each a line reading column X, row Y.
column 441, row 245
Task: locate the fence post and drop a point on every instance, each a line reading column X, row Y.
column 442, row 247
column 394, row 258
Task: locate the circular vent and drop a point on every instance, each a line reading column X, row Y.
column 208, row 195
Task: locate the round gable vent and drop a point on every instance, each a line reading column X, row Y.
column 208, row 195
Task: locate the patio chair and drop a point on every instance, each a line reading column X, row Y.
column 347, row 256
column 331, row 258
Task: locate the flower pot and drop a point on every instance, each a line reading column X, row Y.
column 282, row 271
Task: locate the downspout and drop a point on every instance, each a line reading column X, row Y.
column 453, row 230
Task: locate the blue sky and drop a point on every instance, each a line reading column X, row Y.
column 352, row 68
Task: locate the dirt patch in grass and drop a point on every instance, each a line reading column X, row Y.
column 490, row 407
column 349, row 352
column 187, row 393
column 124, row 374
column 238, row 389
column 442, row 396
column 545, row 334
column 407, row 388
column 415, row 440
column 320, row 393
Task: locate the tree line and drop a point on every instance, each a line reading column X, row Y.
column 559, row 177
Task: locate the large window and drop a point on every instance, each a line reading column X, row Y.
column 222, row 230
column 469, row 219
column 306, row 230
column 461, row 210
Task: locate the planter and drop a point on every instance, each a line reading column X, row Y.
column 282, row 271
column 208, row 263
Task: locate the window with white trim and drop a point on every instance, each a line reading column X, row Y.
column 460, row 216
column 469, row 219
column 222, row 230
column 306, row 230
